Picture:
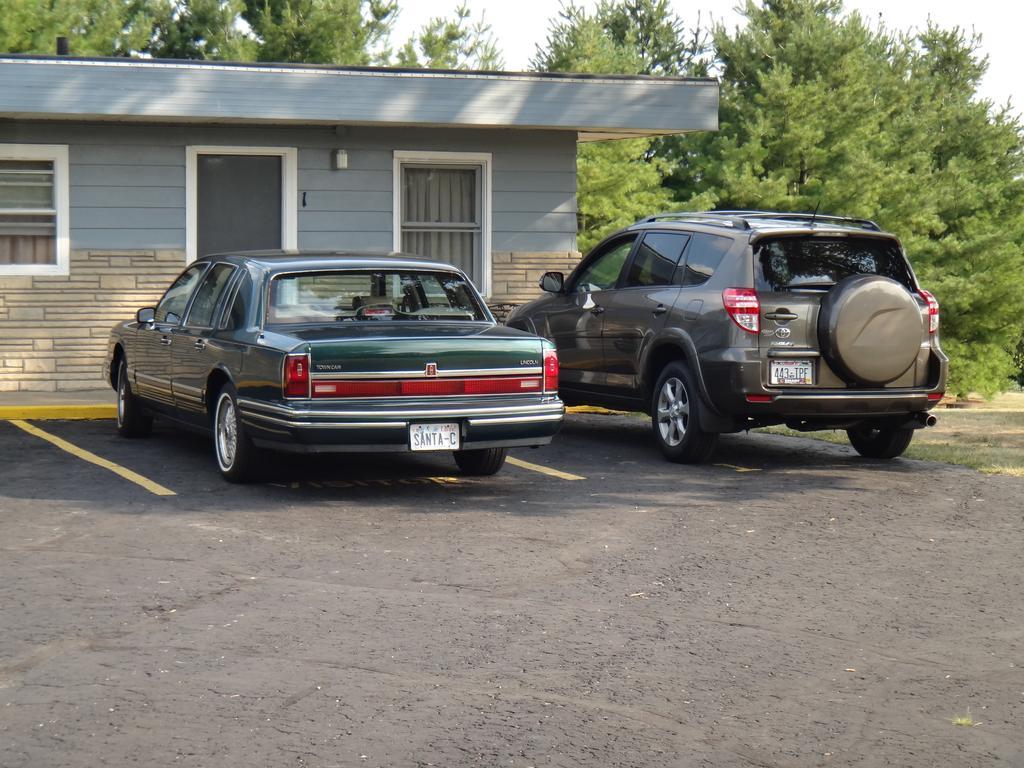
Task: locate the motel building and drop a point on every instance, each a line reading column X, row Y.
column 116, row 173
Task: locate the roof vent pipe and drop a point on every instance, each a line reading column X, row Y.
column 62, row 46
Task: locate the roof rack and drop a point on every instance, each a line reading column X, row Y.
column 741, row 219
column 862, row 223
column 716, row 218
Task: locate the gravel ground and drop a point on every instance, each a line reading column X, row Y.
column 791, row 605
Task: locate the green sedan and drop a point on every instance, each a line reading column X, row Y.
column 333, row 352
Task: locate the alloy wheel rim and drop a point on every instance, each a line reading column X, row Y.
column 673, row 411
column 227, row 433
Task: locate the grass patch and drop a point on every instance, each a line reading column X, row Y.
column 989, row 438
column 965, row 721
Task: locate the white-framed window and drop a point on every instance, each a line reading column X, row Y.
column 442, row 209
column 34, row 209
column 289, row 174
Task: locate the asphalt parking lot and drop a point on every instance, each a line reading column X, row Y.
column 786, row 605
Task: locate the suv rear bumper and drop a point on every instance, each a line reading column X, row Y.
column 731, row 375
column 861, row 404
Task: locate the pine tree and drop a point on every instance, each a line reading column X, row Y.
column 93, row 27
column 201, row 29
column 347, row 32
column 457, row 43
column 617, row 181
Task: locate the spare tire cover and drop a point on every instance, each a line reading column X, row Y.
column 870, row 329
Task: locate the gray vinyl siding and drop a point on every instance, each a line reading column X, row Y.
column 128, row 181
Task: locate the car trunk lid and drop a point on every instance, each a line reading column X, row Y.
column 421, row 360
column 362, row 349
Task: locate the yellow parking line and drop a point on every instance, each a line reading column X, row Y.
column 543, row 470
column 594, row 409
column 738, row 468
column 92, row 458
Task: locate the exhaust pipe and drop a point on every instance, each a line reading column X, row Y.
column 926, row 419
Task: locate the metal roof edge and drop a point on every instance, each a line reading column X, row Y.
column 366, row 71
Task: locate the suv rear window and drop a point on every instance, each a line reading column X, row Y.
column 819, row 262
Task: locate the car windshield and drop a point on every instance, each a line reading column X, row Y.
column 794, row 262
column 371, row 295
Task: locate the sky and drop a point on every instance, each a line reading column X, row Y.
column 522, row 25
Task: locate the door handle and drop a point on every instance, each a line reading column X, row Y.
column 200, row 344
column 661, row 309
column 781, row 315
column 165, row 340
column 597, row 310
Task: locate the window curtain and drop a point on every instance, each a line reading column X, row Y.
column 440, row 217
column 27, row 214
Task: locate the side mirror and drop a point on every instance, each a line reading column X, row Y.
column 145, row 315
column 552, row 282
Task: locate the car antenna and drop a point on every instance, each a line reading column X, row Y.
column 814, row 215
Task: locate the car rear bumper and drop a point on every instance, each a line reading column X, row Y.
column 368, row 426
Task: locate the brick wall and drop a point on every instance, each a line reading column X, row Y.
column 515, row 274
column 54, row 330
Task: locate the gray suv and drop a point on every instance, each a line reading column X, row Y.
column 723, row 321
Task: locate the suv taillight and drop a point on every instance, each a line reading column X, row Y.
column 933, row 310
column 744, row 308
column 550, row 371
column 296, row 375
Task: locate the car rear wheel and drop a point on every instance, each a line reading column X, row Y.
column 132, row 418
column 486, row 461
column 676, row 416
column 880, row 442
column 237, row 456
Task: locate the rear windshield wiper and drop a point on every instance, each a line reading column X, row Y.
column 811, row 285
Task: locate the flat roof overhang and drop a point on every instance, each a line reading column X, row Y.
column 596, row 107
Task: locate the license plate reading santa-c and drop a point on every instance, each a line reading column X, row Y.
column 787, row 372
column 434, row 437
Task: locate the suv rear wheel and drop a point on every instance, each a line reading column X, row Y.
column 676, row 416
column 880, row 442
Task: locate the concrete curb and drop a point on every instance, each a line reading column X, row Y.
column 45, row 412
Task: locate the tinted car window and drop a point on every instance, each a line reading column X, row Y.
column 603, row 271
column 172, row 305
column 208, row 296
column 656, row 259
column 703, row 257
column 792, row 262
column 238, row 316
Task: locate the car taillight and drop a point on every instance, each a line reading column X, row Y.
column 744, row 308
column 550, row 370
column 933, row 310
column 296, row 375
